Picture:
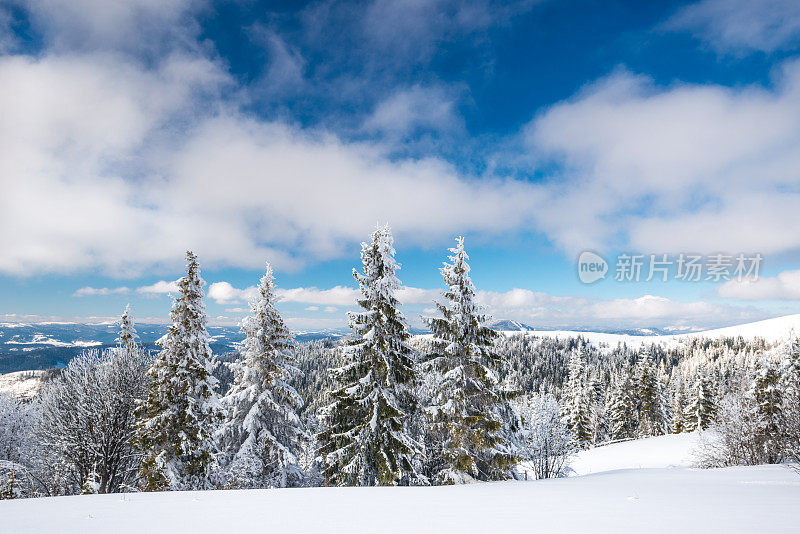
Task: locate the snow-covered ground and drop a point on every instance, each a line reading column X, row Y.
column 617, row 497
column 22, row 384
column 674, row 450
column 772, row 330
column 742, row 499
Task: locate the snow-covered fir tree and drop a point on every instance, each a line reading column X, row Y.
column 92, row 484
column 367, row 439
column 127, row 333
column 467, row 403
column 648, row 398
column 767, row 392
column 677, row 425
column 262, row 435
column 621, row 409
column 791, row 398
column 577, row 408
column 178, row 418
column 701, row 405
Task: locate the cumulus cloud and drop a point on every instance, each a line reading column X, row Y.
column 225, row 293
column 101, row 291
column 740, row 26
column 90, row 141
column 784, row 286
column 73, row 133
column 643, row 166
column 162, row 287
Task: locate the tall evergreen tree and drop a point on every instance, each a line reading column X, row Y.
column 767, row 391
column 678, row 402
column 262, row 434
column 648, row 396
column 791, row 399
column 467, row 404
column 367, row 440
column 578, row 400
column 701, row 407
column 127, row 333
column 621, row 409
column 177, row 420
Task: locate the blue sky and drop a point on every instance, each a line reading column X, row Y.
column 284, row 131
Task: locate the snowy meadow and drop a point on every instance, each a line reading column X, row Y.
column 185, row 438
column 399, row 266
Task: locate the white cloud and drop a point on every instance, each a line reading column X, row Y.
column 131, row 25
column 162, row 287
column 784, row 286
column 102, row 291
column 673, row 169
column 225, row 293
column 534, row 307
column 90, row 141
column 738, row 26
column 407, row 110
column 73, row 131
column 285, row 68
column 335, row 296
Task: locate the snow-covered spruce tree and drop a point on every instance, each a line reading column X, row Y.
column 127, row 333
column 467, row 404
column 648, row 396
column 701, row 406
column 178, row 418
column 621, row 409
column 678, row 388
column 767, row 392
column 577, row 407
column 791, row 399
column 262, row 435
column 366, row 440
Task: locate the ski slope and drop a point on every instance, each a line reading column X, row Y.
column 633, row 487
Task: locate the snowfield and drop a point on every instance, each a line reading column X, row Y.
column 739, row 499
column 616, row 497
column 674, row 450
column 23, row 385
column 773, row 330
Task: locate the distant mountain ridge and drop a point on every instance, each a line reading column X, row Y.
column 33, row 346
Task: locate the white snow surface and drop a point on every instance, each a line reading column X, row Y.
column 739, row 499
column 40, row 339
column 22, row 385
column 637, row 486
column 673, row 450
column 772, row 330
